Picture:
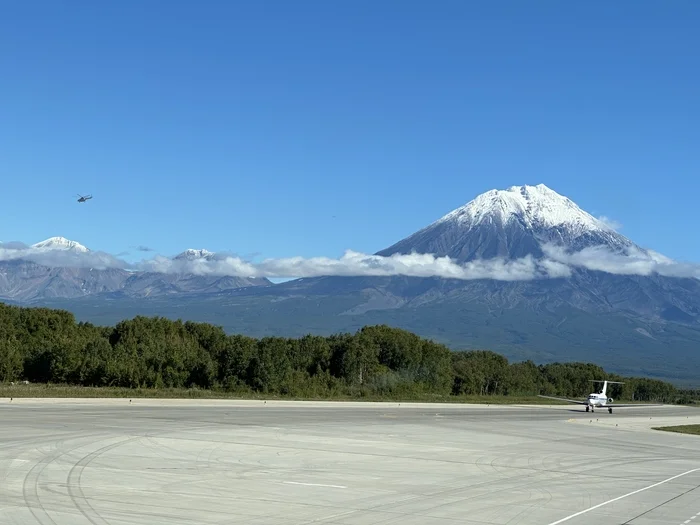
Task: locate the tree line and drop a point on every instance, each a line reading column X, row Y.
column 44, row 345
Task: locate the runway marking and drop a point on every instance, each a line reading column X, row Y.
column 624, row 496
column 314, row 484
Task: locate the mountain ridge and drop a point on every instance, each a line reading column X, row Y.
column 60, row 243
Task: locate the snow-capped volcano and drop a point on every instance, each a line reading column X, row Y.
column 60, row 243
column 513, row 223
column 192, row 254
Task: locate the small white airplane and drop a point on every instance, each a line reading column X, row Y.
column 601, row 399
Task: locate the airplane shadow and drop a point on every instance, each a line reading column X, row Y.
column 583, row 411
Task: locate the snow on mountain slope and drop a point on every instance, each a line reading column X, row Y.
column 192, row 254
column 60, row 243
column 538, row 206
column 512, row 223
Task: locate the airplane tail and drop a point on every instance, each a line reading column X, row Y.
column 605, row 384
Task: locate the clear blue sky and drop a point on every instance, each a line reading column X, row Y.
column 246, row 126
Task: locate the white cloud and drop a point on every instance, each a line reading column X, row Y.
column 412, row 265
column 215, row 266
column 557, row 263
column 633, row 262
column 359, row 264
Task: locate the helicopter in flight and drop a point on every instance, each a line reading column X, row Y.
column 84, row 198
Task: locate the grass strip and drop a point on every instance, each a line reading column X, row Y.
column 681, row 429
column 70, row 391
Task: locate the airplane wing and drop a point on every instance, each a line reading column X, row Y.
column 609, row 405
column 564, row 399
column 616, row 405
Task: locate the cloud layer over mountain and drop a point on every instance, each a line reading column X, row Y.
column 557, row 263
column 634, row 262
column 15, row 250
column 359, row 264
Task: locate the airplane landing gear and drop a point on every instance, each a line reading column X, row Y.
column 610, row 410
column 587, row 408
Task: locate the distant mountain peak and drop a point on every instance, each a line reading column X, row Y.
column 193, row 254
column 512, row 223
column 536, row 206
column 60, row 243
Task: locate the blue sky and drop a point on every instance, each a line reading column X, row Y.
column 310, row 127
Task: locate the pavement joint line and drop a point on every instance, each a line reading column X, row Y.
column 571, row 516
column 314, row 484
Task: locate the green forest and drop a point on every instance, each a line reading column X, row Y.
column 42, row 345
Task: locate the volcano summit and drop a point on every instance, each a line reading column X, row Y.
column 512, row 223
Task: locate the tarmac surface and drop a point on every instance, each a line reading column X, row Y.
column 151, row 462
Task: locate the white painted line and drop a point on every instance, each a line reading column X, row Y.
column 623, row 496
column 314, row 484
